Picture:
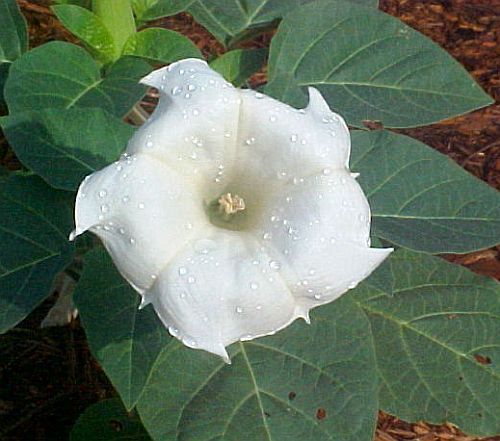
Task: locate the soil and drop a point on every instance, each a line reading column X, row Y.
column 48, row 375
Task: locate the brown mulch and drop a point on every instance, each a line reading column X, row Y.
column 50, row 376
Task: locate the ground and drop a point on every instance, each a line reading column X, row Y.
column 48, row 376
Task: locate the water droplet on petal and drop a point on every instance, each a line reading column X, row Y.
column 317, row 296
column 104, row 208
column 176, row 90
column 275, row 265
column 125, row 199
column 182, row 270
column 191, row 279
column 294, row 137
column 254, row 285
column 266, row 236
column 103, row 193
column 141, row 205
column 239, row 310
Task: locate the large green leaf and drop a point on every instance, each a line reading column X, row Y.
column 125, row 340
column 146, row 10
column 368, row 66
column 422, row 200
column 13, row 32
column 63, row 146
column 89, row 28
column 238, row 65
column 161, row 46
column 35, row 222
column 108, row 421
column 436, row 328
column 308, row 382
column 62, row 75
column 230, row 20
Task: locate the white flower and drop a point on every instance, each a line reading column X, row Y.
column 232, row 213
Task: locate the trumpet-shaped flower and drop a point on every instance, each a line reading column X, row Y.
column 231, row 213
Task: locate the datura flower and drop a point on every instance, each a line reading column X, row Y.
column 231, row 213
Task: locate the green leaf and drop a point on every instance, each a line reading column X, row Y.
column 233, row 20
column 35, row 222
column 422, row 200
column 437, row 340
column 238, row 65
column 62, row 75
column 64, row 146
column 146, row 10
column 161, row 45
column 13, row 32
column 125, row 340
column 89, row 28
column 314, row 382
column 108, row 420
column 372, row 67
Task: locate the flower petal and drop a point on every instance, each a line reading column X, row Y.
column 284, row 143
column 142, row 211
column 330, row 205
column 194, row 125
column 320, row 227
column 220, row 289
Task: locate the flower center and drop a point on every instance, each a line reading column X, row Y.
column 231, row 204
column 229, row 211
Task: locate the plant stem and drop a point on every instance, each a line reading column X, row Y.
column 118, row 17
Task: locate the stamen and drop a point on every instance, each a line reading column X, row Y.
column 231, row 204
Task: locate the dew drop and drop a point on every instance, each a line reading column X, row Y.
column 195, row 112
column 258, row 307
column 272, row 118
column 132, row 241
column 317, row 296
column 259, row 95
column 176, row 90
column 275, row 265
column 182, row 295
column 294, row 137
column 266, row 236
column 312, row 272
column 141, row 205
column 174, row 332
column 104, row 208
column 121, row 230
column 239, row 310
column 182, row 271
column 191, row 279
column 125, row 199
column 191, row 87
column 327, row 171
column 254, row 285
column 352, row 284
column 103, row 193
column 149, row 144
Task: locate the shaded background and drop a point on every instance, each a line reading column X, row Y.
column 48, row 377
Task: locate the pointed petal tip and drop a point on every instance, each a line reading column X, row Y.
column 74, row 234
column 303, row 313
column 316, row 101
column 144, row 302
